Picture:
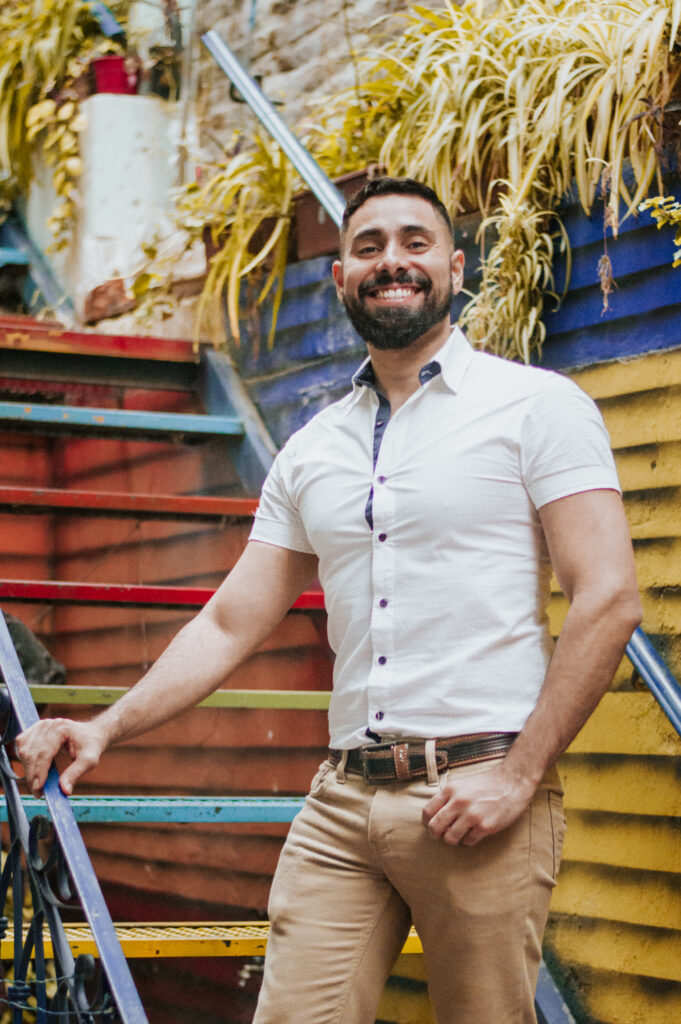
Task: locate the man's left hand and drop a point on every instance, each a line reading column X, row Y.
column 467, row 809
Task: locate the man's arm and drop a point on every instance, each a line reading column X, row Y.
column 241, row 614
column 591, row 553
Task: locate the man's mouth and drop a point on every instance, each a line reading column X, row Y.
column 394, row 292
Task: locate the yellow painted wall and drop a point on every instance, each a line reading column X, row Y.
column 614, row 936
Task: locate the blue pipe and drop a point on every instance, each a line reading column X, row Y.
column 326, row 192
column 657, row 677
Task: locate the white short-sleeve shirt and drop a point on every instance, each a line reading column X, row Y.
column 437, row 615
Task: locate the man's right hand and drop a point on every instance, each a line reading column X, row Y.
column 39, row 745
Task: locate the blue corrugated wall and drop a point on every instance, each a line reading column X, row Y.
column 316, row 350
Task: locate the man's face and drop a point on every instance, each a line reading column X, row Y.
column 398, row 270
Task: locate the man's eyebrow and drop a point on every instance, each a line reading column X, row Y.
column 367, row 233
column 405, row 229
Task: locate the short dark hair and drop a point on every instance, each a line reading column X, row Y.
column 385, row 186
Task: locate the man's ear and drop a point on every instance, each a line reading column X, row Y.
column 337, row 271
column 458, row 261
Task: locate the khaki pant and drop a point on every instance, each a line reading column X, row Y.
column 358, row 868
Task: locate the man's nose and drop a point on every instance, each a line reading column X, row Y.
column 392, row 257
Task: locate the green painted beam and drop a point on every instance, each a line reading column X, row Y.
column 301, row 700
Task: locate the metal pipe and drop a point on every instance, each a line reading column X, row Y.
column 326, row 192
column 657, row 677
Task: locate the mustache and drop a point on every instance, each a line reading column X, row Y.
column 384, row 279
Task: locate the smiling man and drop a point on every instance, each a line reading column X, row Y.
column 432, row 501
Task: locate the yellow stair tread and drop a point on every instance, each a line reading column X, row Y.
column 179, row 939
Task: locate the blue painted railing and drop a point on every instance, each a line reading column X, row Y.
column 656, row 675
column 54, row 862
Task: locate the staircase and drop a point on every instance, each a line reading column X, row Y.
column 101, row 437
column 105, row 556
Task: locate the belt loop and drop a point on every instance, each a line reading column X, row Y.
column 431, row 762
column 340, row 767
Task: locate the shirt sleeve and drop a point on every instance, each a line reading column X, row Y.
column 277, row 520
column 566, row 447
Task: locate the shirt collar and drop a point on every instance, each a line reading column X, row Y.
column 452, row 362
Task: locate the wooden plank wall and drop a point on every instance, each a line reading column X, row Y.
column 26, row 544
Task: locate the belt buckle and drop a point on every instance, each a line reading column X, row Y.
column 366, row 750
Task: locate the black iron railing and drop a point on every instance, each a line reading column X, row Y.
column 48, row 861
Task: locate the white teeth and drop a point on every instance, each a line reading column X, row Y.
column 394, row 293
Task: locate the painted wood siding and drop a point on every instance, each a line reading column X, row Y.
column 26, row 544
column 615, row 929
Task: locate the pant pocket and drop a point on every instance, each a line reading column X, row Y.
column 558, row 825
column 319, row 778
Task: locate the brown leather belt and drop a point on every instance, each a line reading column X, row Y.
column 400, row 762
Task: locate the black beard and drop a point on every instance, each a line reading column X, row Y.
column 397, row 328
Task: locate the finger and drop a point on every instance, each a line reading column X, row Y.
column 437, row 801
column 69, row 777
column 440, row 822
column 457, row 833
column 472, row 837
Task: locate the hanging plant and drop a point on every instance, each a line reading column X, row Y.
column 502, row 111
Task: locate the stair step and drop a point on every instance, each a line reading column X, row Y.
column 178, row 809
column 17, row 332
column 11, row 257
column 116, row 422
column 103, row 696
column 113, row 503
column 127, row 594
column 204, row 938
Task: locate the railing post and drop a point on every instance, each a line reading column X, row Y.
column 68, row 852
column 308, row 168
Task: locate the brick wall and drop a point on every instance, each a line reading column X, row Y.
column 302, row 48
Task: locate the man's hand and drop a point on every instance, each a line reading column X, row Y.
column 38, row 746
column 467, row 809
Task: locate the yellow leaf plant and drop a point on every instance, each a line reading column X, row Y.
column 500, row 108
column 45, row 47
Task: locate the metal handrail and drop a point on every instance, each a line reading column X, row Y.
column 72, row 847
column 318, row 182
column 656, row 675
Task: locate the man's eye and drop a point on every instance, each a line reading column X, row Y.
column 367, row 250
column 417, row 244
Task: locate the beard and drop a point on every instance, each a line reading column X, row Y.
column 398, row 327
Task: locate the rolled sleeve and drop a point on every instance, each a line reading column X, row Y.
column 277, row 520
column 566, row 446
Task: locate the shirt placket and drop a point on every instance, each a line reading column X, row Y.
column 382, row 574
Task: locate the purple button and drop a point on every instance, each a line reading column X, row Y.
column 382, row 660
column 383, row 603
column 379, row 423
column 383, row 536
column 379, row 716
column 382, row 479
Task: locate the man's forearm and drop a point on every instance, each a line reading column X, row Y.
column 588, row 651
column 199, row 658
column 243, row 611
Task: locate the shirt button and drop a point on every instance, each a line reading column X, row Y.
column 382, row 536
column 382, row 660
column 379, row 423
column 382, row 479
column 383, row 603
column 378, row 716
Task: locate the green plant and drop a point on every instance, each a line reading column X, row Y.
column 500, row 110
column 45, row 49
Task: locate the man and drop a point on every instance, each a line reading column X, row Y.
column 429, row 500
